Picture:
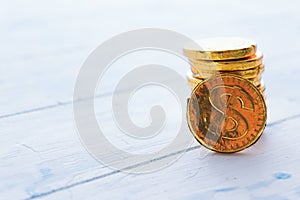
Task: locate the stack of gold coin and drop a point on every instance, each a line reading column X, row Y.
column 225, row 55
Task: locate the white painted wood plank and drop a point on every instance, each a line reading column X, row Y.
column 269, row 170
column 46, row 155
column 45, row 151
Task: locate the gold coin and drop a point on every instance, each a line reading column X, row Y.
column 263, row 91
column 262, row 86
column 229, row 65
column 226, row 113
column 220, row 48
column 249, row 73
column 194, row 81
column 255, row 81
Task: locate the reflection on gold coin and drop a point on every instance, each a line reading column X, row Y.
column 220, row 48
column 226, row 113
column 194, row 81
column 229, row 65
column 249, row 73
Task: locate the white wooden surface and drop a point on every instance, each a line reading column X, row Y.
column 44, row 43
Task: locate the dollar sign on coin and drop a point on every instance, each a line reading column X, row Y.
column 226, row 113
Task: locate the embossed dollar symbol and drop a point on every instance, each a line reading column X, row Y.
column 231, row 102
column 226, row 113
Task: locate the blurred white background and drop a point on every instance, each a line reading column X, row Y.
column 49, row 40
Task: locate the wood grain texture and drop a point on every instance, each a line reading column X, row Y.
column 43, row 45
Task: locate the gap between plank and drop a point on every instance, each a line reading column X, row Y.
column 39, row 195
column 43, row 194
column 59, row 104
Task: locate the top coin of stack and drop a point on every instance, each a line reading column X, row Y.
column 230, row 55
